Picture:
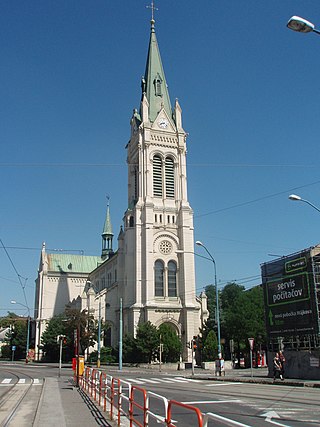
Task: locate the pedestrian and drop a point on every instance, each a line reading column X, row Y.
column 277, row 367
column 282, row 361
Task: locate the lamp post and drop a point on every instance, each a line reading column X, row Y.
column 294, row 197
column 99, row 334
column 28, row 327
column 301, row 25
column 217, row 295
column 99, row 326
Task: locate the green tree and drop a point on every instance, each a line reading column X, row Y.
column 171, row 343
column 17, row 336
column 244, row 318
column 107, row 355
column 209, row 347
column 147, row 341
column 49, row 345
column 129, row 349
column 84, row 323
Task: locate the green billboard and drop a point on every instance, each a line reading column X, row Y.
column 289, row 296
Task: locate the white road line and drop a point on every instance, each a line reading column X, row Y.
column 22, row 381
column 212, row 401
column 148, row 380
column 189, row 380
column 175, row 380
column 221, row 384
column 36, row 381
column 134, row 380
column 162, row 380
column 6, row 381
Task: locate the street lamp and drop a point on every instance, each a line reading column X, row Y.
column 99, row 325
column 296, row 23
column 28, row 327
column 217, row 295
column 299, row 199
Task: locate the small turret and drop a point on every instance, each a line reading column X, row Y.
column 107, row 235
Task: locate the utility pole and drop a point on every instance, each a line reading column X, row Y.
column 160, row 353
column 120, row 337
column 60, row 339
column 99, row 334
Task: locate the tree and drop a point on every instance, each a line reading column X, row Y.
column 241, row 316
column 17, row 336
column 84, row 323
column 49, row 344
column 129, row 349
column 171, row 343
column 209, row 349
column 147, row 341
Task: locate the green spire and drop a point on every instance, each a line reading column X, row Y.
column 154, row 84
column 107, row 234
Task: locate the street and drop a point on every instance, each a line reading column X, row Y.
column 233, row 402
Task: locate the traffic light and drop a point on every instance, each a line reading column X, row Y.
column 195, row 343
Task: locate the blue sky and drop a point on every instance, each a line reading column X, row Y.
column 69, row 78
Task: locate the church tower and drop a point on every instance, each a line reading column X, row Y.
column 157, row 242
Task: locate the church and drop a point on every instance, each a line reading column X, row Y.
column 151, row 274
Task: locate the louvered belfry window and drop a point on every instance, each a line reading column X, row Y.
column 169, row 170
column 157, row 176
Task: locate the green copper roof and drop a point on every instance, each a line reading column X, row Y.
column 154, row 83
column 107, row 228
column 66, row 263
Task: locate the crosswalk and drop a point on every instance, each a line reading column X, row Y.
column 21, row 381
column 162, row 380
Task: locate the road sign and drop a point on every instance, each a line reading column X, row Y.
column 251, row 342
column 14, row 348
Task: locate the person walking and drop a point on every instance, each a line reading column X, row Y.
column 282, row 362
column 277, row 367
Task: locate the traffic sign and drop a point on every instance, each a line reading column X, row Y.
column 251, row 342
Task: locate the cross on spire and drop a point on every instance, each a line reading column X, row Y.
column 153, row 8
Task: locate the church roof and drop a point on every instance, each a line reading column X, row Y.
column 154, row 83
column 67, row 263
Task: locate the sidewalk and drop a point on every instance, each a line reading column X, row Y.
column 256, row 375
column 64, row 405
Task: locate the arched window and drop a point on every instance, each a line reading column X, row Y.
column 157, row 176
column 159, row 279
column 169, row 170
column 172, row 279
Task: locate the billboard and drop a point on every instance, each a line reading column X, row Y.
column 289, row 295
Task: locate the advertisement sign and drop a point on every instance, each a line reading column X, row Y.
column 289, row 295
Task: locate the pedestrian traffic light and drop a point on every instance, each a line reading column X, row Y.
column 195, row 342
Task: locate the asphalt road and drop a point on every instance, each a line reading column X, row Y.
column 231, row 403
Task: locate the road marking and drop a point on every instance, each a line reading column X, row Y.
column 134, row 380
column 236, row 423
column 221, row 384
column 212, row 401
column 272, row 414
column 36, row 381
column 148, row 380
column 22, row 381
column 162, row 380
column 176, row 380
column 6, row 381
column 189, row 379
